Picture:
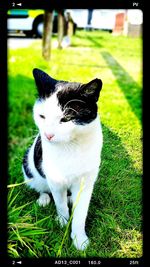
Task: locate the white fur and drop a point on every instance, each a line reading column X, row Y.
column 71, row 155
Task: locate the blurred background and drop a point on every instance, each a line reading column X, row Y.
column 30, row 23
column 119, row 21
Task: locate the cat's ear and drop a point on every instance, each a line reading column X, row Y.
column 92, row 89
column 45, row 84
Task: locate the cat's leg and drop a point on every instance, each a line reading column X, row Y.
column 60, row 199
column 41, row 186
column 34, row 178
column 57, row 184
column 81, row 202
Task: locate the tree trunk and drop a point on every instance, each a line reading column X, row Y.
column 70, row 25
column 47, row 34
column 60, row 28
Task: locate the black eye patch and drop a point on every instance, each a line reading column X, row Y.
column 82, row 110
column 79, row 112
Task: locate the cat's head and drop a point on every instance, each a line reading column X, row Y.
column 64, row 110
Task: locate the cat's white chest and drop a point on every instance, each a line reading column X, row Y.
column 66, row 163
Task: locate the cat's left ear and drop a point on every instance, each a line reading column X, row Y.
column 92, row 89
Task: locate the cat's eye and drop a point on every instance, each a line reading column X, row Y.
column 65, row 119
column 42, row 116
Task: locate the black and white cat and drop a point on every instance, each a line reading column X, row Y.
column 67, row 150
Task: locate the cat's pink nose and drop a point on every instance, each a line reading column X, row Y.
column 49, row 136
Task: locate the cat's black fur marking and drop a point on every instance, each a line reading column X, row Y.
column 25, row 165
column 79, row 101
column 45, row 84
column 38, row 156
column 82, row 110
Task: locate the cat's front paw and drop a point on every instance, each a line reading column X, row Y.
column 43, row 200
column 62, row 220
column 80, row 241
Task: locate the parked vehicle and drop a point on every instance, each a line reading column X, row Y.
column 30, row 22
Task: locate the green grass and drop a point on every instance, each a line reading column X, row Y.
column 114, row 222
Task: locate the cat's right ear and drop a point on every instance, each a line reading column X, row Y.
column 45, row 84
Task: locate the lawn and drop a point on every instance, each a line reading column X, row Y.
column 114, row 222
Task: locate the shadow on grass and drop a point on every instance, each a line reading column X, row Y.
column 21, row 97
column 130, row 88
column 96, row 41
column 116, row 204
column 19, row 86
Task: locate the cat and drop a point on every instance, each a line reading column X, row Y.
column 66, row 153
